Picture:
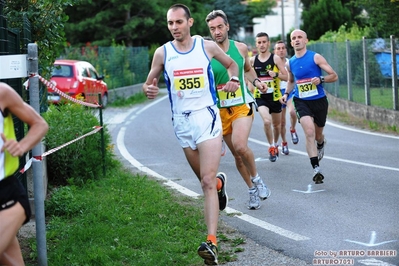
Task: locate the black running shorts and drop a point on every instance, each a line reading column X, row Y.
column 267, row 100
column 11, row 192
column 315, row 108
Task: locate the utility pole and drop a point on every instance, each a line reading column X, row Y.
column 296, row 14
column 282, row 21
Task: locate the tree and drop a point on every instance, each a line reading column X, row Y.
column 259, row 8
column 381, row 16
column 351, row 5
column 143, row 22
column 236, row 14
column 133, row 23
column 323, row 16
column 47, row 20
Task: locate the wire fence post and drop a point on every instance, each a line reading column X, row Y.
column 394, row 74
column 349, row 70
column 366, row 73
column 37, row 165
column 102, row 131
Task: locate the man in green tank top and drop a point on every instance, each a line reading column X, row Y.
column 236, row 109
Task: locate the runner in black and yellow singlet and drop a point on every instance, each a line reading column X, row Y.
column 269, row 68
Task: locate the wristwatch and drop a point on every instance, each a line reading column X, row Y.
column 256, row 79
column 321, row 79
column 235, row 79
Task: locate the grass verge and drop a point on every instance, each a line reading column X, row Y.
column 126, row 219
column 134, row 99
column 351, row 120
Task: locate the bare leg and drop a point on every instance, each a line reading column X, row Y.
column 291, row 110
column 310, row 133
column 205, row 163
column 11, row 220
column 283, row 125
column 238, row 145
column 242, row 169
column 267, row 123
column 12, row 256
column 276, row 118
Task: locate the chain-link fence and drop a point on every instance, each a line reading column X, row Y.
column 366, row 69
column 121, row 66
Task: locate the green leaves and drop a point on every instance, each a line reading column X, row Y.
column 47, row 20
column 323, row 16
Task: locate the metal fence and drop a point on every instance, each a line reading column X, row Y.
column 367, row 70
column 121, row 66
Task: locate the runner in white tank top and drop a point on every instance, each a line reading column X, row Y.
column 185, row 63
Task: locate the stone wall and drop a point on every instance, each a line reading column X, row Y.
column 124, row 92
column 377, row 114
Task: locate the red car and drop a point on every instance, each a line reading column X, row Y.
column 78, row 79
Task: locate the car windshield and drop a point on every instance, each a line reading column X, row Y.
column 62, row 71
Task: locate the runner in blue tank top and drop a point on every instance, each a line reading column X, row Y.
column 305, row 71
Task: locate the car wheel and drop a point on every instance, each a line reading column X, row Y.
column 104, row 100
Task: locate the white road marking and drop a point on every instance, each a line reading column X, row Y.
column 331, row 158
column 267, row 226
column 362, row 131
column 250, row 219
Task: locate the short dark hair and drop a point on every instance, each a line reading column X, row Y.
column 184, row 7
column 281, row 41
column 262, row 34
column 217, row 13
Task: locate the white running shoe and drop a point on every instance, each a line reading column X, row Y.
column 320, row 151
column 294, row 136
column 317, row 175
column 254, row 200
column 263, row 191
column 284, row 148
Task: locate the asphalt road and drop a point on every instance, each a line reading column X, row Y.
column 351, row 219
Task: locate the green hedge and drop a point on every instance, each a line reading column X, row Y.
column 82, row 160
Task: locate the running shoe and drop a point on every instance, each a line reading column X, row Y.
column 273, row 156
column 254, row 200
column 294, row 136
column 318, row 176
column 223, row 152
column 320, row 150
column 222, row 195
column 284, row 148
column 263, row 190
column 209, row 252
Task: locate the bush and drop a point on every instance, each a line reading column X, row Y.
column 63, row 202
column 81, row 160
